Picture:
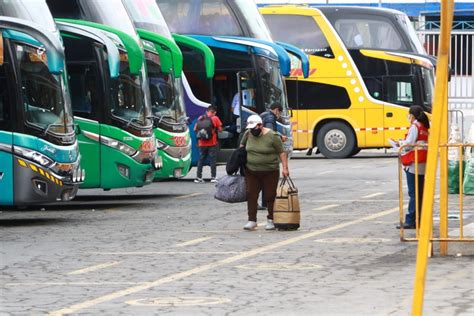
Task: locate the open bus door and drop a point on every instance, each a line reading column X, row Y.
column 234, row 117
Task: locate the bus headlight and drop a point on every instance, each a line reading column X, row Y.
column 118, row 145
column 35, row 156
column 161, row 145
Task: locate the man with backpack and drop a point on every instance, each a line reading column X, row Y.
column 206, row 129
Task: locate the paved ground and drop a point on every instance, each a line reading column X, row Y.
column 171, row 249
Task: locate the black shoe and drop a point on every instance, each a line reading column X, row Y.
column 261, row 208
column 407, row 226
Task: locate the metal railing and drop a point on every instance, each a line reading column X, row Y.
column 461, row 238
column 436, row 25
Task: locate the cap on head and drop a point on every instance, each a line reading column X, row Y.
column 253, row 121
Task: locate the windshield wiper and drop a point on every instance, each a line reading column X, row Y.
column 160, row 117
column 134, row 119
column 48, row 127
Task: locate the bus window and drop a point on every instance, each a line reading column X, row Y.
column 399, row 90
column 309, row 37
column 166, row 97
column 256, row 24
column 428, row 88
column 308, row 95
column 83, row 74
column 215, row 17
column 4, row 106
column 273, row 85
column 43, row 100
column 369, row 33
column 195, row 70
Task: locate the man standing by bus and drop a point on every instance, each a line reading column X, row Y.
column 269, row 119
column 206, row 129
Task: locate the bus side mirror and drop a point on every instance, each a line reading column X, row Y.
column 1, row 49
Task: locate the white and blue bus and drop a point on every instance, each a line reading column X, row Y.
column 249, row 66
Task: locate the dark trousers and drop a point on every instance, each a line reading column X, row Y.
column 204, row 153
column 410, row 217
column 266, row 181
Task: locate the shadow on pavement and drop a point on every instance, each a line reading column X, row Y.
column 21, row 222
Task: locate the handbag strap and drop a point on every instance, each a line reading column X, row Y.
column 282, row 185
column 291, row 185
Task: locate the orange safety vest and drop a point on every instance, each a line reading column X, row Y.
column 408, row 157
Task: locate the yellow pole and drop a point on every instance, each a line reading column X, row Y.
column 439, row 107
column 461, row 193
column 443, row 190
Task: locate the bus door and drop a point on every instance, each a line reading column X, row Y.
column 375, row 126
column 6, row 135
column 299, row 116
column 234, row 115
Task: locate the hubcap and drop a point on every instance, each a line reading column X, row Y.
column 335, row 140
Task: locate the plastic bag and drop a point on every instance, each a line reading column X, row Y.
column 453, row 160
column 231, row 189
column 468, row 185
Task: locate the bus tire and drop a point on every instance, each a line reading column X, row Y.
column 355, row 151
column 336, row 140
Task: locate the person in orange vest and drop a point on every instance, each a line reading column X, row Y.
column 417, row 135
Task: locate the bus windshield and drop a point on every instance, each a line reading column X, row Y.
column 31, row 10
column 44, row 101
column 366, row 32
column 166, row 95
column 273, row 85
column 406, row 24
column 107, row 12
column 146, row 15
column 309, row 36
column 202, row 17
column 428, row 88
column 128, row 99
column 257, row 27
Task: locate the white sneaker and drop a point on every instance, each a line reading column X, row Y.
column 270, row 225
column 198, row 180
column 250, row 225
column 213, row 180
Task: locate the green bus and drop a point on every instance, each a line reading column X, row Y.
column 110, row 98
column 166, row 86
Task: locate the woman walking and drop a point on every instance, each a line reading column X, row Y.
column 417, row 135
column 264, row 150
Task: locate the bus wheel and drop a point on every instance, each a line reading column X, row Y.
column 336, row 140
column 355, row 151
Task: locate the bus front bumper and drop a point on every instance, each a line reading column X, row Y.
column 35, row 184
column 176, row 162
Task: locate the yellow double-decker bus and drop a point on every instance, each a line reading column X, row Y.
column 365, row 74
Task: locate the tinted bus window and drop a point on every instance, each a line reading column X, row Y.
column 309, row 36
column 3, row 96
column 257, row 27
column 307, row 95
column 206, row 17
column 82, row 57
column 369, row 33
column 95, row 10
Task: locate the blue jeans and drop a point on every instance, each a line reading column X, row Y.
column 410, row 218
column 204, row 153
